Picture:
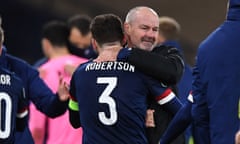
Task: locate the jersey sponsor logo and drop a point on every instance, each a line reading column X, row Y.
column 5, row 79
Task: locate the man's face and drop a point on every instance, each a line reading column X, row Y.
column 78, row 40
column 142, row 32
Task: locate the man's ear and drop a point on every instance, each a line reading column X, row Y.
column 95, row 45
column 126, row 27
column 124, row 40
column 46, row 47
column 45, row 43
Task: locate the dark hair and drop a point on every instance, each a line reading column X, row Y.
column 107, row 28
column 56, row 32
column 81, row 22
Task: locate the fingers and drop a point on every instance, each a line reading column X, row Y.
column 237, row 138
column 150, row 118
column 42, row 73
column 63, row 89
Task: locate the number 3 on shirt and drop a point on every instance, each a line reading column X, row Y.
column 107, row 99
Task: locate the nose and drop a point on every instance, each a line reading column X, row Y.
column 152, row 33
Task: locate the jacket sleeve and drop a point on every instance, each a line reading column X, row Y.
column 74, row 115
column 42, row 96
column 36, row 90
column 179, row 123
column 163, row 63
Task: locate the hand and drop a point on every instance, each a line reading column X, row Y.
column 42, row 73
column 123, row 54
column 237, row 138
column 69, row 68
column 149, row 121
column 63, row 90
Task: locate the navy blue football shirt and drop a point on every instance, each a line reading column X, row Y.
column 12, row 106
column 111, row 99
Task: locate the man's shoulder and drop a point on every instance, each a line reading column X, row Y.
column 83, row 65
column 79, row 59
column 163, row 49
column 14, row 59
column 19, row 66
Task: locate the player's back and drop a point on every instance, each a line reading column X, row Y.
column 11, row 92
column 112, row 102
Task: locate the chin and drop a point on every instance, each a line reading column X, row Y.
column 147, row 48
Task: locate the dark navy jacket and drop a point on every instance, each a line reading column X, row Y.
column 36, row 91
column 184, row 86
column 216, row 81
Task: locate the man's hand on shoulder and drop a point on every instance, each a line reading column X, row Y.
column 63, row 90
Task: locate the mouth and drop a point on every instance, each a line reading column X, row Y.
column 149, row 43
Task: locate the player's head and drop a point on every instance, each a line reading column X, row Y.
column 169, row 29
column 107, row 28
column 80, row 35
column 54, row 34
column 141, row 27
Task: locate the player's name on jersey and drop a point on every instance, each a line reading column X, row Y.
column 110, row 65
column 5, row 79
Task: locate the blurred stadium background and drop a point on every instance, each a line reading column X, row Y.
column 23, row 19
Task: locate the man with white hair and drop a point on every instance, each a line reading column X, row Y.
column 163, row 63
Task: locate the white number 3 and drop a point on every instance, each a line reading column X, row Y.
column 106, row 98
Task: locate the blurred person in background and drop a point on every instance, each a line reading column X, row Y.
column 54, row 44
column 36, row 91
column 80, row 36
column 79, row 40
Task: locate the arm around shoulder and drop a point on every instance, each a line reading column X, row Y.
column 163, row 63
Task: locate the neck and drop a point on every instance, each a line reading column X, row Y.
column 108, row 52
column 58, row 52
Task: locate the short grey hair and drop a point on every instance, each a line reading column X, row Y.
column 132, row 13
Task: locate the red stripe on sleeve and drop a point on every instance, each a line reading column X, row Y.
column 165, row 94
